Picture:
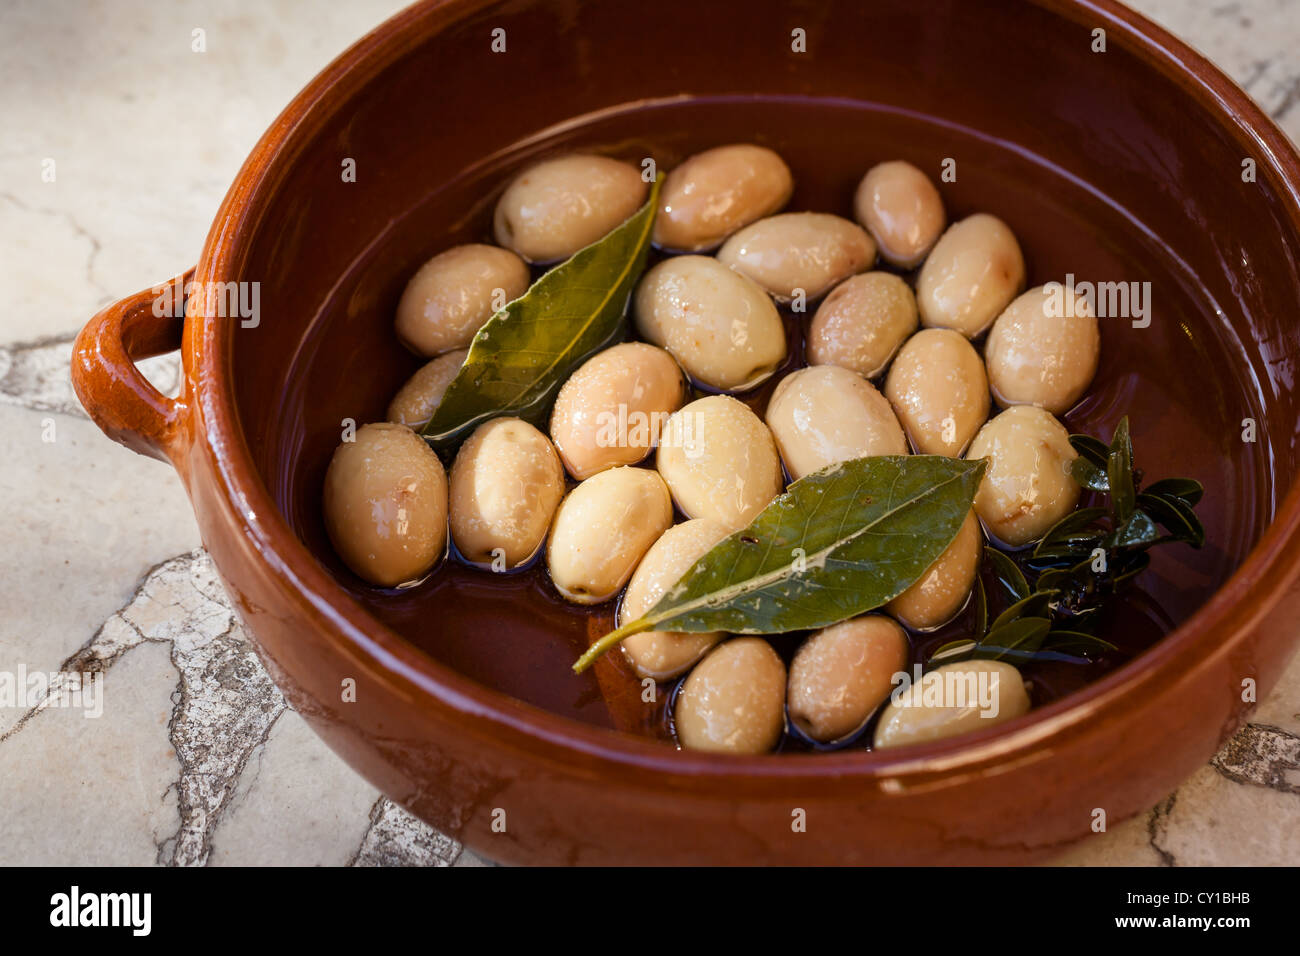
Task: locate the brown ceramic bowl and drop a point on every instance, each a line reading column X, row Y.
column 1120, row 165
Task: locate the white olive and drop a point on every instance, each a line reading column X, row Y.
column 823, row 414
column 417, row 400
column 611, row 410
column 842, row 673
column 862, row 323
column 553, row 209
column 899, row 206
column 602, row 530
column 808, row 251
column 720, row 461
column 939, row 391
column 719, row 325
column 664, row 655
column 973, row 272
column 951, row 700
column 385, row 504
column 733, row 701
column 454, row 293
column 1043, row 349
column 716, row 192
column 1027, row 487
column 506, row 482
column 937, row 595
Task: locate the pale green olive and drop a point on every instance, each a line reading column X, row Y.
column 824, row 414
column 417, row 400
column 1043, row 350
column 506, row 482
column 611, row 410
column 454, row 293
column 385, row 504
column 722, row 327
column 733, row 701
column 951, row 700
column 842, row 673
column 602, row 530
column 938, row 389
column 1027, row 487
column 973, row 272
column 937, row 595
column 862, row 323
column 796, row 252
column 719, row 461
column 553, row 209
column 899, row 206
column 716, row 192
column 664, row 655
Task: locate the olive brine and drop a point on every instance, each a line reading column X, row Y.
column 920, row 443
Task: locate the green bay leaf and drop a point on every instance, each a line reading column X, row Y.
column 523, row 354
column 840, row 542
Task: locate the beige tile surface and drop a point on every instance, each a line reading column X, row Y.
column 196, row 759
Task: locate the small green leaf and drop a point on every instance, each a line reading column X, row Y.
column 981, row 608
column 1176, row 515
column 1087, row 474
column 1008, row 574
column 1138, row 531
column 1130, row 567
column 1032, row 606
column 1188, row 489
column 1119, row 472
column 1066, row 641
column 523, row 354
column 1059, row 578
column 1092, row 449
column 952, row 651
column 1076, row 526
column 1024, row 635
column 863, row 531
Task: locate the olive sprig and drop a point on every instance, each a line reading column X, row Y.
column 1082, row 560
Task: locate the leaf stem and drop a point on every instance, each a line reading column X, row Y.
column 609, row 640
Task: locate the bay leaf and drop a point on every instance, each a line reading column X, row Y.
column 1189, row 489
column 838, row 543
column 1119, row 472
column 523, row 354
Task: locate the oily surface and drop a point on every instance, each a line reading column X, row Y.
column 516, row 634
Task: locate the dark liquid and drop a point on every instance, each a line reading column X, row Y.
column 1176, row 379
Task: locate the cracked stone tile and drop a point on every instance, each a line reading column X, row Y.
column 1263, row 756
column 36, row 376
column 223, row 705
column 279, row 798
column 1253, row 41
column 83, row 521
column 396, row 838
column 297, row 804
column 1217, row 821
column 36, row 294
column 123, row 212
column 78, row 791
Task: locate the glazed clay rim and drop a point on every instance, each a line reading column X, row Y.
column 1231, row 611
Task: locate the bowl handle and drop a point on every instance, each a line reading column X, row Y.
column 121, row 401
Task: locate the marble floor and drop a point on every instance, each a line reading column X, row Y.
column 199, row 760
